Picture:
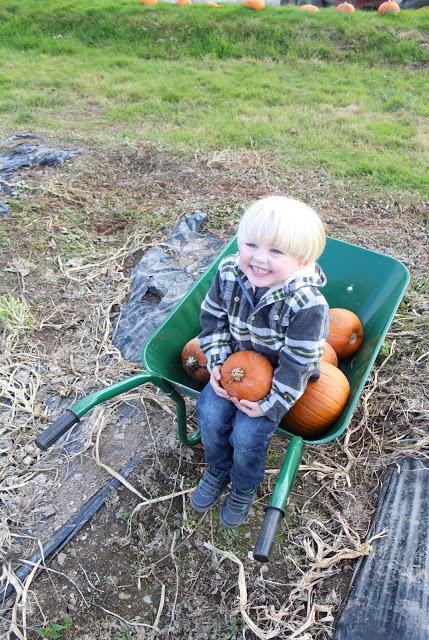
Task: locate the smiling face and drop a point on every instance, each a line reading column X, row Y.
column 267, row 266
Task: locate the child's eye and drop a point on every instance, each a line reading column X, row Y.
column 277, row 252
column 252, row 245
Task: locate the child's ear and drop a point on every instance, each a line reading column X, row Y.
column 304, row 263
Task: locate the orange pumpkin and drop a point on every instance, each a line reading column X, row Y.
column 388, row 7
column 247, row 375
column 183, row 2
column 345, row 7
column 321, row 403
column 329, row 355
column 148, row 1
column 194, row 361
column 258, row 5
column 345, row 332
column 309, row 8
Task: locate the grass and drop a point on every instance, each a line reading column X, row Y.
column 15, row 316
column 346, row 93
column 168, row 32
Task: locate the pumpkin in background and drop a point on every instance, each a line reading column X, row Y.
column 183, row 2
column 247, row 375
column 329, row 355
column 321, row 403
column 345, row 332
column 148, row 1
column 257, row 5
column 309, row 8
column 388, row 7
column 194, row 361
column 345, row 7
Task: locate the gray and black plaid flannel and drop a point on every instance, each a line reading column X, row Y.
column 289, row 325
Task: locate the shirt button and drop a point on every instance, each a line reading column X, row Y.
column 276, row 317
column 236, row 299
column 252, row 318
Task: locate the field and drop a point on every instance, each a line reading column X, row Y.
column 177, row 110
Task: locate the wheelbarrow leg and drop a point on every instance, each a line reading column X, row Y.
column 72, row 416
column 282, row 488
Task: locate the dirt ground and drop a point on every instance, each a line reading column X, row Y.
column 144, row 567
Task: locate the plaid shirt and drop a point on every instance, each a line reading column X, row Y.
column 288, row 325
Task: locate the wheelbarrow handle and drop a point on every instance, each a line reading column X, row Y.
column 79, row 409
column 56, row 430
column 267, row 534
column 275, row 511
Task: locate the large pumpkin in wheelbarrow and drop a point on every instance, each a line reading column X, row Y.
column 321, row 403
column 247, row 375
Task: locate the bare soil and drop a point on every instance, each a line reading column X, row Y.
column 69, row 245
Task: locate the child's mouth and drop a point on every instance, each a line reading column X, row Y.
column 259, row 272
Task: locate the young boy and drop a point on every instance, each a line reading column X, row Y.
column 265, row 298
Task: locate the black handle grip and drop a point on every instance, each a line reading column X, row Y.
column 267, row 534
column 60, row 426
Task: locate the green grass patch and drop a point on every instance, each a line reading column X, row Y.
column 170, row 32
column 15, row 315
column 346, row 93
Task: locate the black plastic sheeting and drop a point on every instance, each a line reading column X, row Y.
column 23, row 150
column 389, row 595
column 161, row 278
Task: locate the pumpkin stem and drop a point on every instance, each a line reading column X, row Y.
column 192, row 362
column 237, row 374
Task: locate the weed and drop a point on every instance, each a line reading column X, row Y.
column 385, row 348
column 236, row 626
column 229, row 539
column 15, row 316
column 125, row 515
column 276, row 454
column 55, row 630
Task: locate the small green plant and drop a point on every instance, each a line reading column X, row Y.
column 385, row 348
column 15, row 316
column 229, row 539
column 125, row 515
column 55, row 630
column 235, row 626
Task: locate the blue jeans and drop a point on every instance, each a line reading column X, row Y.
column 233, row 442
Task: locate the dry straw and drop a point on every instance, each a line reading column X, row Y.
column 390, row 423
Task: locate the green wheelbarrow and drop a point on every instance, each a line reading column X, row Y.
column 366, row 282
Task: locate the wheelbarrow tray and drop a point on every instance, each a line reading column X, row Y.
column 369, row 283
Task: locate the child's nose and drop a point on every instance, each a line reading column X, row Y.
column 261, row 255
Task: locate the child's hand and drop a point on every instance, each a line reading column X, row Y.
column 251, row 409
column 214, row 381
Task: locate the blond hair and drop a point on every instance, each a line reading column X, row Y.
column 284, row 224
